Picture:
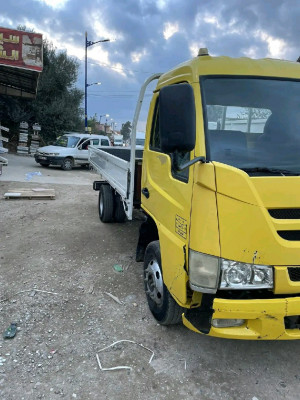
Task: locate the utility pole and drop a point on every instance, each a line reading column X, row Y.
column 88, row 43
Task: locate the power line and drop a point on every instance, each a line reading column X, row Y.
column 117, row 68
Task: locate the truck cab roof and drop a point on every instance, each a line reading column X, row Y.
column 205, row 65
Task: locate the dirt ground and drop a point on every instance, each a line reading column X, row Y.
column 56, row 267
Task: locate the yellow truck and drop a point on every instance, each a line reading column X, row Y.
column 219, row 184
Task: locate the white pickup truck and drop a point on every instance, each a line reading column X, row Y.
column 70, row 150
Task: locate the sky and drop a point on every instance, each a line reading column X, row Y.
column 150, row 36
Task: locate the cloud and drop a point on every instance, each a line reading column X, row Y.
column 170, row 29
column 55, row 4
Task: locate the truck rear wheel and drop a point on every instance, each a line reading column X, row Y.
column 106, row 203
column 162, row 305
column 119, row 212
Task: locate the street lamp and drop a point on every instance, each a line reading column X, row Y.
column 91, row 84
column 88, row 43
column 113, row 125
column 104, row 115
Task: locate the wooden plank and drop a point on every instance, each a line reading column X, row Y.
column 35, row 193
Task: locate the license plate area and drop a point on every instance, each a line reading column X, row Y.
column 42, row 158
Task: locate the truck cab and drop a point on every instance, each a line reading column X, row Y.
column 220, row 189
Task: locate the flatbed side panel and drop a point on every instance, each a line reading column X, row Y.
column 113, row 169
column 123, row 152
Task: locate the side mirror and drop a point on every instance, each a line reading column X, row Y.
column 177, row 118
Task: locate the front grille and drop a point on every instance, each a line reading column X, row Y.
column 289, row 235
column 285, row 213
column 294, row 273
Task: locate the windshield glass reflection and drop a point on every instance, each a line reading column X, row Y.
column 66, row 141
column 253, row 124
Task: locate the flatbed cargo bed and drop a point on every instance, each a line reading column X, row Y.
column 121, row 168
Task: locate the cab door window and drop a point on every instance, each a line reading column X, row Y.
column 83, row 144
column 177, row 158
column 104, row 142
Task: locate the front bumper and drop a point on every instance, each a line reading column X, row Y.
column 264, row 319
column 53, row 160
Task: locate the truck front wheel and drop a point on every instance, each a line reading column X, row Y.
column 162, row 305
column 106, row 203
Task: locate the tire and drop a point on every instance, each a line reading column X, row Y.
column 45, row 165
column 106, row 203
column 67, row 164
column 119, row 212
column 162, row 305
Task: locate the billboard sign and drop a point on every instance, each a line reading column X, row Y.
column 21, row 49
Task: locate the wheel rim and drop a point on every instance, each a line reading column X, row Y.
column 68, row 164
column 154, row 282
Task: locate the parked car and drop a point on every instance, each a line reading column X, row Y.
column 70, row 150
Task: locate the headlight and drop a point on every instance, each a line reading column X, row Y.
column 236, row 275
column 205, row 271
column 53, row 154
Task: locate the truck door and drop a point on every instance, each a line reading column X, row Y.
column 166, row 197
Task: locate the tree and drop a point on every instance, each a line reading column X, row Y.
column 93, row 122
column 57, row 104
column 256, row 113
column 126, row 130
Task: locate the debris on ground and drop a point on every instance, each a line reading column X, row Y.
column 30, row 175
column 122, row 366
column 11, row 331
column 32, row 293
column 2, row 361
column 37, row 193
column 115, row 298
column 183, row 359
column 118, row 268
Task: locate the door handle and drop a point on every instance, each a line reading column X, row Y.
column 146, row 193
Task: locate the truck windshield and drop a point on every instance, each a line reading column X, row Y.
column 253, row 123
column 66, row 141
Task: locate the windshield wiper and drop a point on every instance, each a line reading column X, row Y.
column 267, row 170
